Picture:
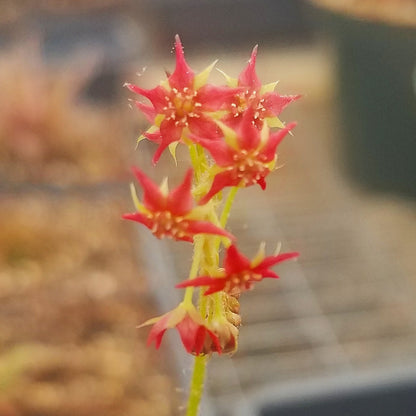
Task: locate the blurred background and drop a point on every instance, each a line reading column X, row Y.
column 337, row 333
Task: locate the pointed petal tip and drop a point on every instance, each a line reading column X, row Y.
column 136, row 172
column 129, row 216
column 288, row 256
column 253, row 55
column 157, row 155
column 189, row 175
column 143, row 179
column 178, row 45
column 132, row 87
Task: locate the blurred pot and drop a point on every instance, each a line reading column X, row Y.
column 214, row 24
column 377, row 97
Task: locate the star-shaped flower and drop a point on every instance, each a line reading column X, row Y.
column 265, row 103
column 239, row 273
column 183, row 103
column 245, row 156
column 171, row 214
column 193, row 331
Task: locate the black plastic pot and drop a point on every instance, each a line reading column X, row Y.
column 377, row 99
column 395, row 399
column 219, row 24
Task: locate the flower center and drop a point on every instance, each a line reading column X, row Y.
column 241, row 281
column 249, row 98
column 180, row 105
column 167, row 225
column 249, row 167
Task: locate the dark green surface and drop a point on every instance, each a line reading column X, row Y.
column 377, row 99
column 390, row 400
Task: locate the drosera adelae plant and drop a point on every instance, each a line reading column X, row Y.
column 232, row 133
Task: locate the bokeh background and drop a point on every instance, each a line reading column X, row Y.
column 75, row 280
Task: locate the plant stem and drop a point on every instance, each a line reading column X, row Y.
column 196, row 261
column 198, row 160
column 227, row 206
column 197, row 385
column 194, row 159
column 204, row 256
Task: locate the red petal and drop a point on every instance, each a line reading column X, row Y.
column 249, row 137
column 153, row 199
column 157, row 338
column 205, row 227
column 169, row 133
column 219, row 150
column 204, row 127
column 202, row 281
column 155, row 95
column 269, row 149
column 140, row 218
column 270, row 274
column 159, row 152
column 215, row 284
column 154, row 137
column 187, row 238
column 275, row 103
column 216, row 341
column 262, row 183
column 215, row 287
column 147, row 110
column 234, row 261
column 180, row 200
column 272, row 260
column 157, row 331
column 187, row 329
column 214, row 98
column 248, row 78
column 183, row 75
column 134, row 88
column 231, row 121
column 199, row 339
column 221, row 180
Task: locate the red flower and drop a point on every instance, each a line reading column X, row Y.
column 183, row 103
column 245, row 157
column 239, row 273
column 265, row 103
column 192, row 330
column 170, row 214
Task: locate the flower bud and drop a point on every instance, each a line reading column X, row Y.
column 227, row 335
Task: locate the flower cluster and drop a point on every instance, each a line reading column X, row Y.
column 232, row 133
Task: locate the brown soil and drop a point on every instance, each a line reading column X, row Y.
column 71, row 296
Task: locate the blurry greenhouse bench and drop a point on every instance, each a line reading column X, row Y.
column 381, row 393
